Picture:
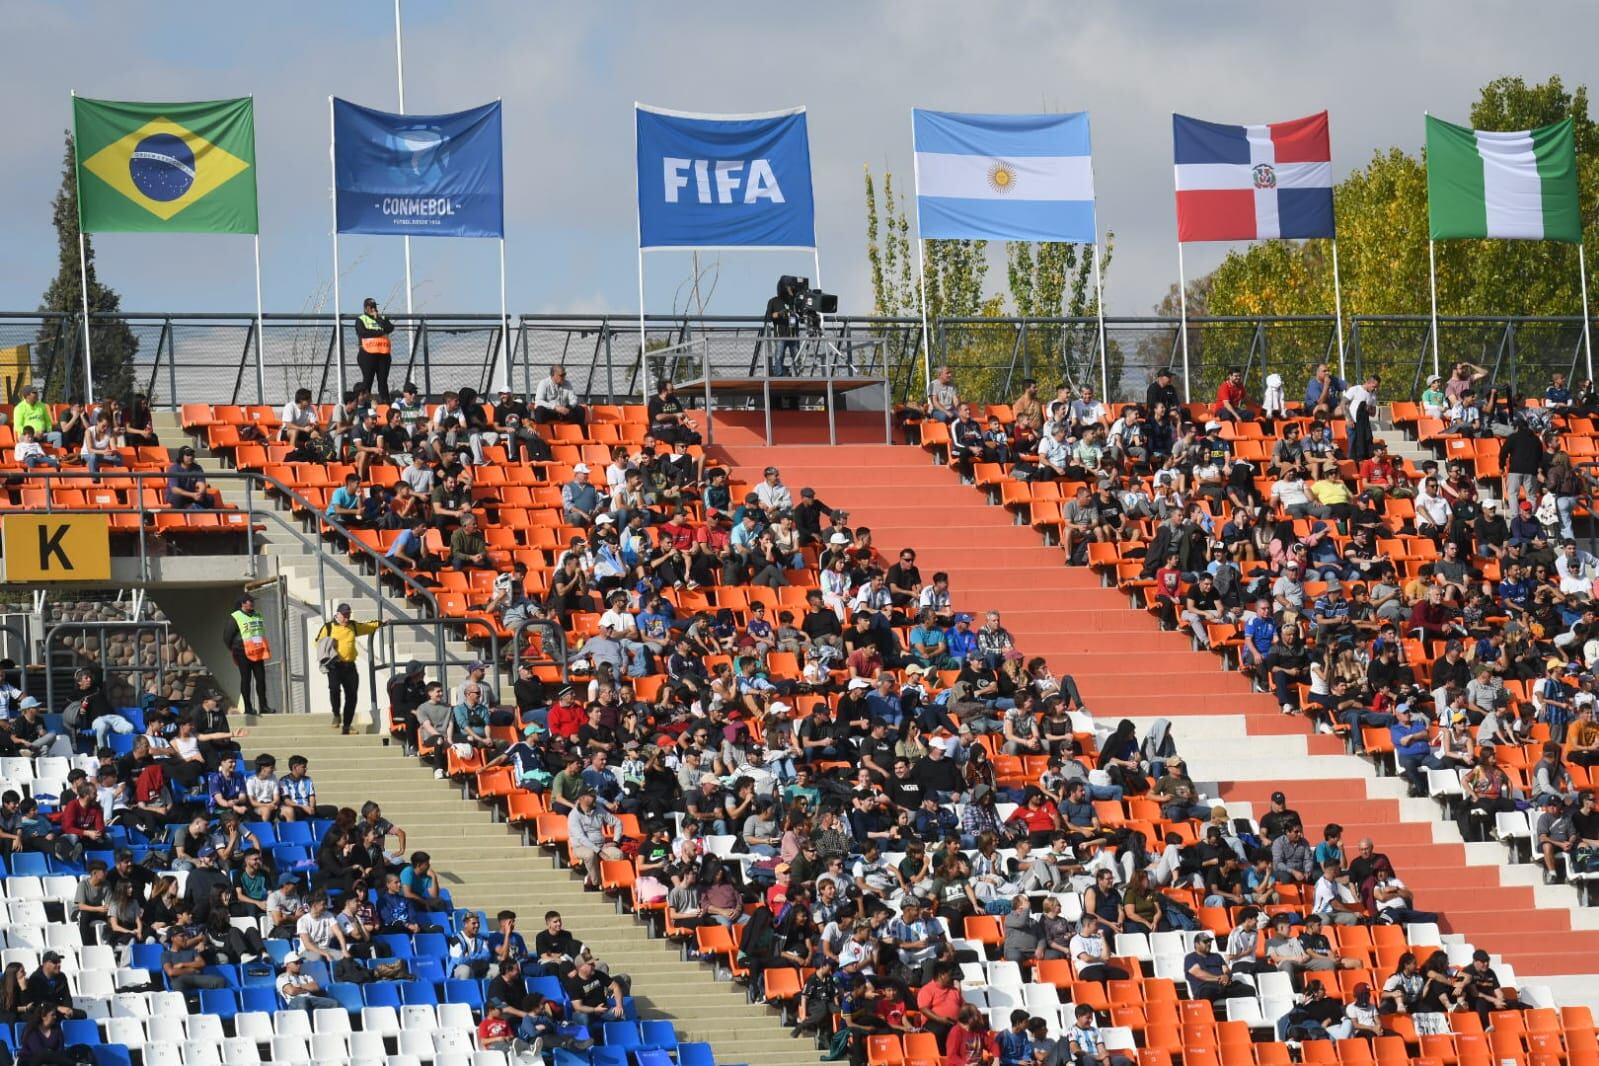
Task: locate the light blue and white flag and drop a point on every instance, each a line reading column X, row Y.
column 1004, row 177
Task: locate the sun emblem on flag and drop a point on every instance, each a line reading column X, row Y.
column 1001, row 176
column 1265, row 176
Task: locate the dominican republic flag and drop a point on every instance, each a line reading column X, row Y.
column 1248, row 183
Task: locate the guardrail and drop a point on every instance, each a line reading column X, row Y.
column 222, row 358
column 258, row 488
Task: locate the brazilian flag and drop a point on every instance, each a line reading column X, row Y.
column 166, row 168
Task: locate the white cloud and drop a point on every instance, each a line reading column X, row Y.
column 569, row 74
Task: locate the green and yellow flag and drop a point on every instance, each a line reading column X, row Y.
column 166, row 168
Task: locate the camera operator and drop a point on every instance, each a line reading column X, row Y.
column 783, row 320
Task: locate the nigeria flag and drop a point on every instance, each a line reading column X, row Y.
column 165, row 168
column 1506, row 186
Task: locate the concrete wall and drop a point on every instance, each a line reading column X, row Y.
column 200, row 616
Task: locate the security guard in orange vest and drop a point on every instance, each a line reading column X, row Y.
column 247, row 640
column 373, row 330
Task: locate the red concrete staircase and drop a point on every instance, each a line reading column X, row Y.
column 1127, row 667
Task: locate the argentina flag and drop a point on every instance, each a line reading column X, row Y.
column 1004, row 177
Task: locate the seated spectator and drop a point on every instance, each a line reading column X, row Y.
column 554, row 401
column 299, row 989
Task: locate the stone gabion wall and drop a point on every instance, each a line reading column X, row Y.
column 185, row 673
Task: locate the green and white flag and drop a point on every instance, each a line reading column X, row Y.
column 1505, row 186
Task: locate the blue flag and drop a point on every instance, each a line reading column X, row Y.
column 419, row 175
column 713, row 181
column 1004, row 177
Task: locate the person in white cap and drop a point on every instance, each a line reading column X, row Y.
column 580, row 501
column 299, row 989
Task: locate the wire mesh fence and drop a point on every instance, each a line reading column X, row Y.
column 225, row 358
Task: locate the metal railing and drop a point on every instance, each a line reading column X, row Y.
column 258, row 490
column 100, row 630
column 222, row 359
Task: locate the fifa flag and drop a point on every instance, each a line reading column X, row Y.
column 418, row 175
column 165, row 168
column 724, row 181
column 1004, row 177
column 1511, row 186
column 1248, row 183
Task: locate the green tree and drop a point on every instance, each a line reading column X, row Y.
column 60, row 340
column 1382, row 227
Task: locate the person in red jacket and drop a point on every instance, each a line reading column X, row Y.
column 971, row 1042
column 567, row 716
column 82, row 816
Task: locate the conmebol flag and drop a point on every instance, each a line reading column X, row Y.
column 1245, row 183
column 419, row 175
column 1004, row 177
column 724, row 181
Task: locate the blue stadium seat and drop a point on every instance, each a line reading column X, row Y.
column 286, row 856
column 564, row 1057
column 121, row 744
column 348, row 995
column 223, row 1002
column 259, row 977
column 430, row 946
column 319, row 970
column 230, row 974
column 262, row 998
column 110, row 1054
column 147, row 957
column 399, row 944
column 468, row 992
column 695, row 1054
column 607, row 1056
column 382, row 994
column 29, row 864
column 80, row 1031
column 319, row 827
column 621, row 1035
column 629, row 1009
column 652, row 1057
column 548, row 987
column 418, row 993
column 278, row 949
column 658, row 1033
column 265, row 832
column 429, row 970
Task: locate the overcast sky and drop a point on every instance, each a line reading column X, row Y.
column 569, row 74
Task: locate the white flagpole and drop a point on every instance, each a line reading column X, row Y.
column 1182, row 308
column 260, row 329
column 503, row 372
column 1432, row 278
column 643, row 364
column 83, row 268
column 399, row 72
column 333, row 204
column 1338, row 308
column 921, row 263
column 1099, row 307
column 83, row 277
column 1582, row 274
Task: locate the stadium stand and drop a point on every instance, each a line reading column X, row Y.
column 778, row 744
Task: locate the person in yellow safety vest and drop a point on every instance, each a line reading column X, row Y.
column 247, row 640
column 344, row 679
column 373, row 331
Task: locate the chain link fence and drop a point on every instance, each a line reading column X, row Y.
column 219, row 358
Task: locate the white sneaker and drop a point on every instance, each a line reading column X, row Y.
column 438, row 775
column 1288, row 708
column 1323, row 727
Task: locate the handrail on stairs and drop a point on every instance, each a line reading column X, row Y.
column 259, row 486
